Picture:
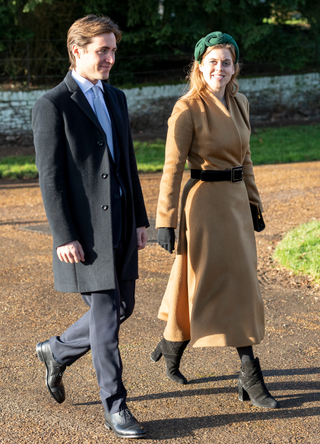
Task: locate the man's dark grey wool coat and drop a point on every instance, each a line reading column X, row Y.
column 74, row 173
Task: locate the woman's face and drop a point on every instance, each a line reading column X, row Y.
column 217, row 68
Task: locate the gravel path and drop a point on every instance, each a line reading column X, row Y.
column 206, row 410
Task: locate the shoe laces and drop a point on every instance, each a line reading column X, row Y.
column 126, row 413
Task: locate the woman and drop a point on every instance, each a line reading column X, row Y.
column 213, row 296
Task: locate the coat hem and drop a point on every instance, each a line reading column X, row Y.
column 222, row 341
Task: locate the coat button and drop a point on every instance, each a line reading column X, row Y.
column 100, row 143
column 104, row 207
column 104, row 176
column 117, row 196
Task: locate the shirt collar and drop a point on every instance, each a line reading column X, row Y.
column 85, row 84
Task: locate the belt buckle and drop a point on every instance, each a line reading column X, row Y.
column 236, row 174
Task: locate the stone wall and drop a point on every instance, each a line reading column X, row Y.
column 271, row 98
column 283, row 97
column 15, row 111
column 295, row 97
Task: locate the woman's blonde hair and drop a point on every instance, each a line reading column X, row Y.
column 195, row 78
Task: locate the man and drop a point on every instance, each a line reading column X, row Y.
column 94, row 204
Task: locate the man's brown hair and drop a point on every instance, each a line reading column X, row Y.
column 85, row 29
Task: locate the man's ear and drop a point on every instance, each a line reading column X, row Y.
column 77, row 51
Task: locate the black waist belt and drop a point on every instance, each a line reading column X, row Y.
column 233, row 175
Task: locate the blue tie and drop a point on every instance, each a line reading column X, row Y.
column 103, row 118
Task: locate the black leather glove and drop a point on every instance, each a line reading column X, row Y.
column 166, row 238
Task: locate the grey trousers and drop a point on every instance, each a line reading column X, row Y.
column 98, row 330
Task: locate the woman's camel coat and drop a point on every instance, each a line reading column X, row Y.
column 213, row 294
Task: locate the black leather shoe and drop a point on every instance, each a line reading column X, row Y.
column 124, row 424
column 54, row 371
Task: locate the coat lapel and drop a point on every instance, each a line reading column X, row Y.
column 79, row 98
column 117, row 122
column 239, row 117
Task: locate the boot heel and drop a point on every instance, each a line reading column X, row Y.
column 243, row 395
column 156, row 355
column 39, row 352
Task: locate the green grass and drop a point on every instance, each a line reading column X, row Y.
column 150, row 155
column 268, row 146
column 18, row 167
column 299, row 250
column 285, row 145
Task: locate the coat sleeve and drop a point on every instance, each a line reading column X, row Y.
column 248, row 174
column 179, row 139
column 140, row 212
column 50, row 142
column 138, row 201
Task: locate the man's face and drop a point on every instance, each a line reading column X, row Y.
column 95, row 60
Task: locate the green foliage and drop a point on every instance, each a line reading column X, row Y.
column 299, row 250
column 31, row 4
column 163, row 27
column 284, row 46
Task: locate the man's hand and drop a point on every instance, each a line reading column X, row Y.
column 142, row 237
column 71, row 252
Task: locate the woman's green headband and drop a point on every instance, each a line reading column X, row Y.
column 214, row 38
